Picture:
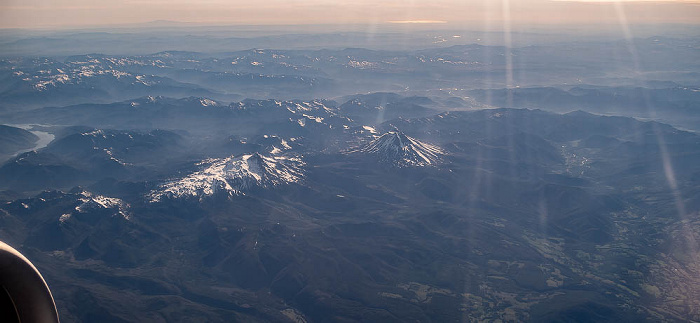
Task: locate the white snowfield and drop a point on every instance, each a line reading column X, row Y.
column 233, row 176
column 403, row 151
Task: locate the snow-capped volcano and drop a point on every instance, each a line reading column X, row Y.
column 401, row 150
column 234, row 176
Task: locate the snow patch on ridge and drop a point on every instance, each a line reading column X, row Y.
column 90, row 201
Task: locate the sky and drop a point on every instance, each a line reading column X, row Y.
column 83, row 13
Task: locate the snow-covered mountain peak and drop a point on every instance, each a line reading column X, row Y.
column 233, row 176
column 397, row 148
column 208, row 102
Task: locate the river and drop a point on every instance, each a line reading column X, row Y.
column 45, row 138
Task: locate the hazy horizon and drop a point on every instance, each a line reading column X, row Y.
column 83, row 14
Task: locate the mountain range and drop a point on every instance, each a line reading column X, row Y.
column 486, row 214
column 433, row 176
